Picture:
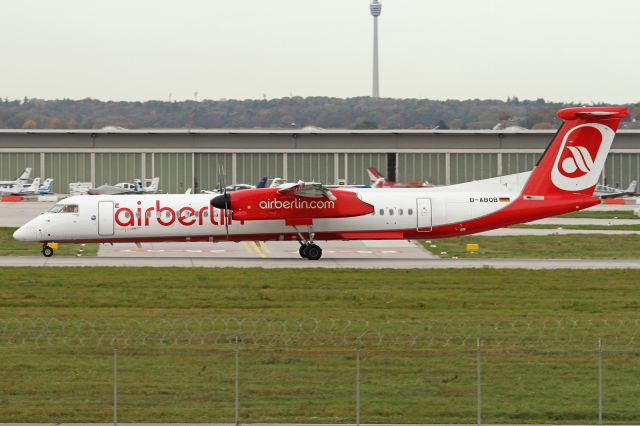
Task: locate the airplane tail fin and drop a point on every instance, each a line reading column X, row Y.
column 263, row 182
column 575, row 157
column 153, row 187
column 26, row 174
column 33, row 188
column 46, row 187
column 374, row 174
column 632, row 187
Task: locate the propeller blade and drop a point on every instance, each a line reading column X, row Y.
column 226, row 213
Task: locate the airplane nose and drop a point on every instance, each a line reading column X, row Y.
column 24, row 234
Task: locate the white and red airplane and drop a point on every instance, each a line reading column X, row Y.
column 563, row 181
column 378, row 181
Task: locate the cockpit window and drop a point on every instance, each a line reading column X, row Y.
column 64, row 208
column 70, row 208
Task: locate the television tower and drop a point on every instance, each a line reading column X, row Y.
column 376, row 8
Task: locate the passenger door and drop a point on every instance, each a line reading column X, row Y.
column 105, row 218
column 423, row 212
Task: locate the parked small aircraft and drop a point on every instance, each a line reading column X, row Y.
column 9, row 186
column 563, row 181
column 239, row 186
column 20, row 188
column 23, row 179
column 126, row 188
column 379, row 181
column 604, row 191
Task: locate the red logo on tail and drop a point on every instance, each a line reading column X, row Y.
column 577, row 158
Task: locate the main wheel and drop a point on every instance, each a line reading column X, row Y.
column 303, row 251
column 47, row 251
column 314, row 252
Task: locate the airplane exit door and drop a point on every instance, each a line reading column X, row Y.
column 423, row 207
column 105, row 218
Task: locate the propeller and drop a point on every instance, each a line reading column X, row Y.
column 222, row 201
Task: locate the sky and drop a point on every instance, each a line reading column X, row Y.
column 560, row 50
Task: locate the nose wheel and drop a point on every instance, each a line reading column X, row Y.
column 47, row 251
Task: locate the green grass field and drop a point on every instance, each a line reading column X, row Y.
column 577, row 246
column 546, row 375
column 11, row 247
column 602, row 214
column 603, row 227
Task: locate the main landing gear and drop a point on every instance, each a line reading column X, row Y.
column 309, row 250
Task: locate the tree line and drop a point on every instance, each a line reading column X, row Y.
column 294, row 112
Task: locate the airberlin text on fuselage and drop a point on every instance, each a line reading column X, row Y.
column 166, row 216
column 296, row 204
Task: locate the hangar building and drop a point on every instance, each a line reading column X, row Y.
column 192, row 158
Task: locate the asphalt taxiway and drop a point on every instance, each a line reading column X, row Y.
column 331, row 263
column 379, row 249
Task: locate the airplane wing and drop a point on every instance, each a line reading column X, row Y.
column 307, row 190
column 109, row 190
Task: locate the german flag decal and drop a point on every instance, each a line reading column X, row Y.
column 504, row 199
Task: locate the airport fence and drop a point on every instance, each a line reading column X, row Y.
column 319, row 371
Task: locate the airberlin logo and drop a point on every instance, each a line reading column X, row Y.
column 581, row 156
column 577, row 163
column 296, row 203
column 167, row 216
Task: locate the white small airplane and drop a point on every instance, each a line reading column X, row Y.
column 563, row 181
column 604, row 191
column 238, row 187
column 126, row 188
column 24, row 178
column 20, row 188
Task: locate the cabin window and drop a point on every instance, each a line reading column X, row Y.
column 381, row 212
column 206, row 214
column 127, row 215
column 148, row 214
column 410, row 212
column 390, row 212
column 400, row 212
column 168, row 214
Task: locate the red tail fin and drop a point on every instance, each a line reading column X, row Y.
column 374, row 174
column 575, row 158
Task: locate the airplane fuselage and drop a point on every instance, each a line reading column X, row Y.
column 409, row 213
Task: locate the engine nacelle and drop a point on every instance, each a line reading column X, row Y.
column 268, row 204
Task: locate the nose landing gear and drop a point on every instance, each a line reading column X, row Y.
column 47, row 249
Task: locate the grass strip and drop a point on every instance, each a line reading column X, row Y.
column 11, row 247
column 602, row 214
column 574, row 246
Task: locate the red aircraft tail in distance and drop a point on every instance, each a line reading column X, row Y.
column 379, row 181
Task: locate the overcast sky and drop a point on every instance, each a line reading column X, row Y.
column 561, row 50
